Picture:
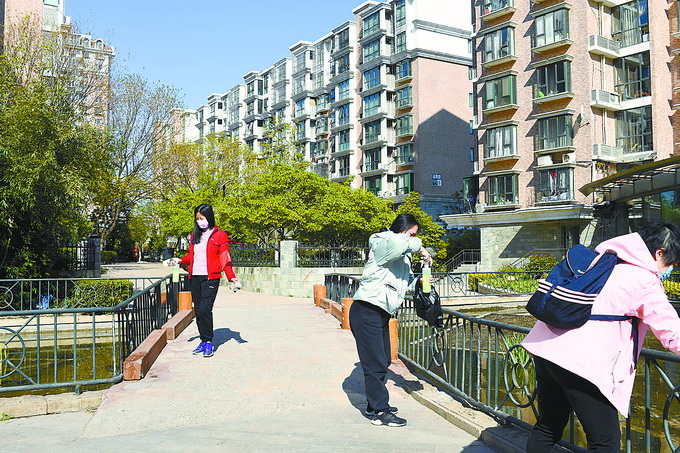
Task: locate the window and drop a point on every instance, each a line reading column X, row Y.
column 551, row 27
column 630, row 23
column 250, row 108
column 404, row 154
column 371, row 24
column 372, row 132
column 371, row 159
column 342, row 64
column 401, row 43
column 343, row 39
column 250, row 89
column 554, row 132
column 321, row 125
column 371, row 104
column 502, row 189
column 405, row 125
column 404, row 184
column 632, row 76
column 553, row 78
column 372, row 78
column 343, row 166
column 403, row 69
column 299, row 85
column 500, row 92
column 343, row 90
column 301, row 130
column 499, row 44
column 322, row 102
column 400, row 13
column 373, row 184
column 299, row 62
column 500, row 142
column 371, row 50
column 343, row 114
column 404, row 98
column 490, row 6
column 634, row 130
column 343, row 140
column 555, row 184
column 299, row 107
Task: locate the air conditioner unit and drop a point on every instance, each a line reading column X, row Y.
column 568, row 158
column 543, row 161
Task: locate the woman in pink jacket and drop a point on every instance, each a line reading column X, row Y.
column 591, row 369
column 208, row 257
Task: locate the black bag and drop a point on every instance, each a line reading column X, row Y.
column 428, row 306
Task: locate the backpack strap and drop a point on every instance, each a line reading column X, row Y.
column 634, row 328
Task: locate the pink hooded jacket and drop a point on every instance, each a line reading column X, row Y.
column 602, row 351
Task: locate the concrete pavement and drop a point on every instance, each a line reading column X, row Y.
column 284, row 378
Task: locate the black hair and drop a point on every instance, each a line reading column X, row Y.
column 207, row 211
column 403, row 223
column 662, row 235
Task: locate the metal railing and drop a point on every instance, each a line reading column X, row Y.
column 467, row 256
column 43, row 349
column 340, row 286
column 252, row 255
column 321, row 255
column 482, row 362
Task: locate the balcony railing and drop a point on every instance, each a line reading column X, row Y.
column 599, row 45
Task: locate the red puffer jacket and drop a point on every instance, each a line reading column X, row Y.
column 217, row 253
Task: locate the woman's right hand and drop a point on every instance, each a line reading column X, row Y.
column 425, row 255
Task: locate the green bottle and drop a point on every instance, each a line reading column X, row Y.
column 427, row 287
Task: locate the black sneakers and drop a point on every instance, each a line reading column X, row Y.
column 370, row 412
column 387, row 418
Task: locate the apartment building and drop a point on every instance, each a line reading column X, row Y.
column 567, row 93
column 382, row 100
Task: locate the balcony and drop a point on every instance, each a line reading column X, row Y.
column 542, row 98
column 556, row 44
column 404, row 159
column 607, row 153
column 612, row 3
column 605, row 100
column 497, row 8
column 599, row 45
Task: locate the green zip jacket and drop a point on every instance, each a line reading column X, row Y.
column 387, row 274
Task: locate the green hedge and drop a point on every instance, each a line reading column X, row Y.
column 108, row 256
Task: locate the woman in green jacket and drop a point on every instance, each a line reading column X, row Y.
column 386, row 278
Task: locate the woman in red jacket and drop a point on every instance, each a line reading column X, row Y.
column 208, row 256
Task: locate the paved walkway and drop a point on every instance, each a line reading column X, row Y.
column 284, row 378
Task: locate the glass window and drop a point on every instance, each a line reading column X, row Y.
column 343, row 140
column 299, row 84
column 554, row 132
column 404, row 97
column 301, row 130
column 490, row 6
column 551, row 27
column 343, row 90
column 555, row 184
column 372, row 131
column 372, row 159
column 299, row 107
column 343, row 114
column 372, row 78
column 502, row 189
column 343, row 166
column 401, row 43
column 343, row 64
column 630, row 23
column 405, row 184
column 499, row 44
column 322, row 102
column 371, row 50
column 371, row 104
column 500, row 141
column 405, row 125
column 371, row 24
column 500, row 92
column 553, row 78
column 634, row 130
column 400, row 13
column 632, row 78
column 373, row 184
column 405, row 154
column 343, row 39
column 403, row 69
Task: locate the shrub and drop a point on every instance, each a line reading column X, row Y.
column 96, row 293
column 541, row 262
column 108, row 256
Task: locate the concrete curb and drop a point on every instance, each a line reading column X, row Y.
column 31, row 405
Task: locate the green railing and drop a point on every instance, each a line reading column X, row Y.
column 323, row 255
column 252, row 255
column 43, row 349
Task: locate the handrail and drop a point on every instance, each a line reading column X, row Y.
column 463, row 257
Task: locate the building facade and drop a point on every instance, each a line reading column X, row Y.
column 576, row 93
column 382, row 100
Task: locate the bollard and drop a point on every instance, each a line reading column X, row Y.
column 319, row 293
column 346, row 304
column 184, row 301
column 394, row 339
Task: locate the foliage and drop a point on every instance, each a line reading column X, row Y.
column 108, row 256
column 97, row 293
column 431, row 233
column 540, row 262
column 462, row 239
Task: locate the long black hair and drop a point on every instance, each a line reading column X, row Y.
column 207, row 211
column 403, row 223
column 663, row 235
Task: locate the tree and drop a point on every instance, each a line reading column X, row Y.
column 430, row 232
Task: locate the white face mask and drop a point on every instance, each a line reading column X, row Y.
column 202, row 224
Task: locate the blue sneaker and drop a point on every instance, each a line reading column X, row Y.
column 199, row 349
column 208, row 349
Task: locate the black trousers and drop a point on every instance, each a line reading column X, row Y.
column 561, row 391
column 203, row 293
column 370, row 327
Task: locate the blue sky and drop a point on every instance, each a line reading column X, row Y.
column 205, row 46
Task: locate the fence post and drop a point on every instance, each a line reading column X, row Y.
column 319, row 293
column 184, row 301
column 394, row 339
column 94, row 253
column 346, row 305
